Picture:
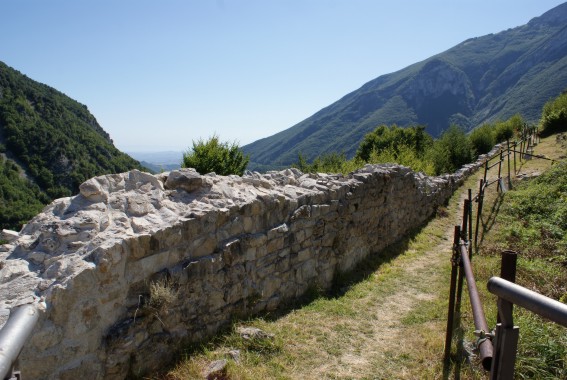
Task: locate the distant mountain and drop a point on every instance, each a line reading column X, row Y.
column 159, row 161
column 49, row 143
column 480, row 80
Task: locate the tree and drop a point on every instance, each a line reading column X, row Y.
column 215, row 156
column 396, row 139
column 452, row 150
column 482, row 139
column 554, row 116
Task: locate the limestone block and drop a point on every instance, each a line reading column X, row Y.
column 9, row 235
column 93, row 191
column 184, row 179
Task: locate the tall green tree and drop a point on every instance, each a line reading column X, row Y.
column 212, row 155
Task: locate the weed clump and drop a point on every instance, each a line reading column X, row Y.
column 162, row 295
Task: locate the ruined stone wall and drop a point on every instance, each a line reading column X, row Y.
column 211, row 247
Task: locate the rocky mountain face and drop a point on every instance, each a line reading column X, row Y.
column 481, row 80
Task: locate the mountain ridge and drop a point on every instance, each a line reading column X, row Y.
column 49, row 145
column 482, row 79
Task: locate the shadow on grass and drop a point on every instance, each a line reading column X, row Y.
column 488, row 220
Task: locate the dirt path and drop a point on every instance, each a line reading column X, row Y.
column 384, row 336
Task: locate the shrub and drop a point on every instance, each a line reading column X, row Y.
column 504, row 130
column 162, row 295
column 482, row 139
column 452, row 150
column 215, row 156
column 404, row 155
column 394, row 138
column 554, row 116
column 328, row 163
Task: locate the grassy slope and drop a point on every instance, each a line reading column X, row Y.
column 387, row 320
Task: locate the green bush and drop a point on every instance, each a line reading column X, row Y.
column 452, row 150
column 482, row 139
column 554, row 116
column 404, row 155
column 505, row 130
column 394, row 138
column 328, row 163
column 215, row 156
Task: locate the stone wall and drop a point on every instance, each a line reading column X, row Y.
column 136, row 263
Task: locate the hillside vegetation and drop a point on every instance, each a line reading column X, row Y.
column 415, row 148
column 481, row 80
column 55, row 140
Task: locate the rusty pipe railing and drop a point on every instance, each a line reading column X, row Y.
column 485, row 347
column 507, row 334
column 544, row 306
column 14, row 335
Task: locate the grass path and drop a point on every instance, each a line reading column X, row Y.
column 387, row 323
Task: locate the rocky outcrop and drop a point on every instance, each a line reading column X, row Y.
column 137, row 264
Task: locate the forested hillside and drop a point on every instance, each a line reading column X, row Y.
column 480, row 80
column 52, row 142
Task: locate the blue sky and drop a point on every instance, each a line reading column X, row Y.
column 159, row 74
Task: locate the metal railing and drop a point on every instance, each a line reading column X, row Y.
column 506, row 334
column 13, row 336
column 497, row 351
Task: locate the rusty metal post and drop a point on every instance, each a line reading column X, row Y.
column 463, row 235
column 452, row 292
column 500, row 172
column 485, row 170
column 508, row 267
column 461, row 277
column 470, row 223
column 509, row 176
column 505, row 344
column 485, row 347
column 508, row 270
column 515, row 146
column 478, row 212
column 465, row 226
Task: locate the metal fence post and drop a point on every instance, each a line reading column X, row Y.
column 508, row 270
column 505, row 344
column 500, row 171
column 452, row 292
column 508, row 155
column 478, row 212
